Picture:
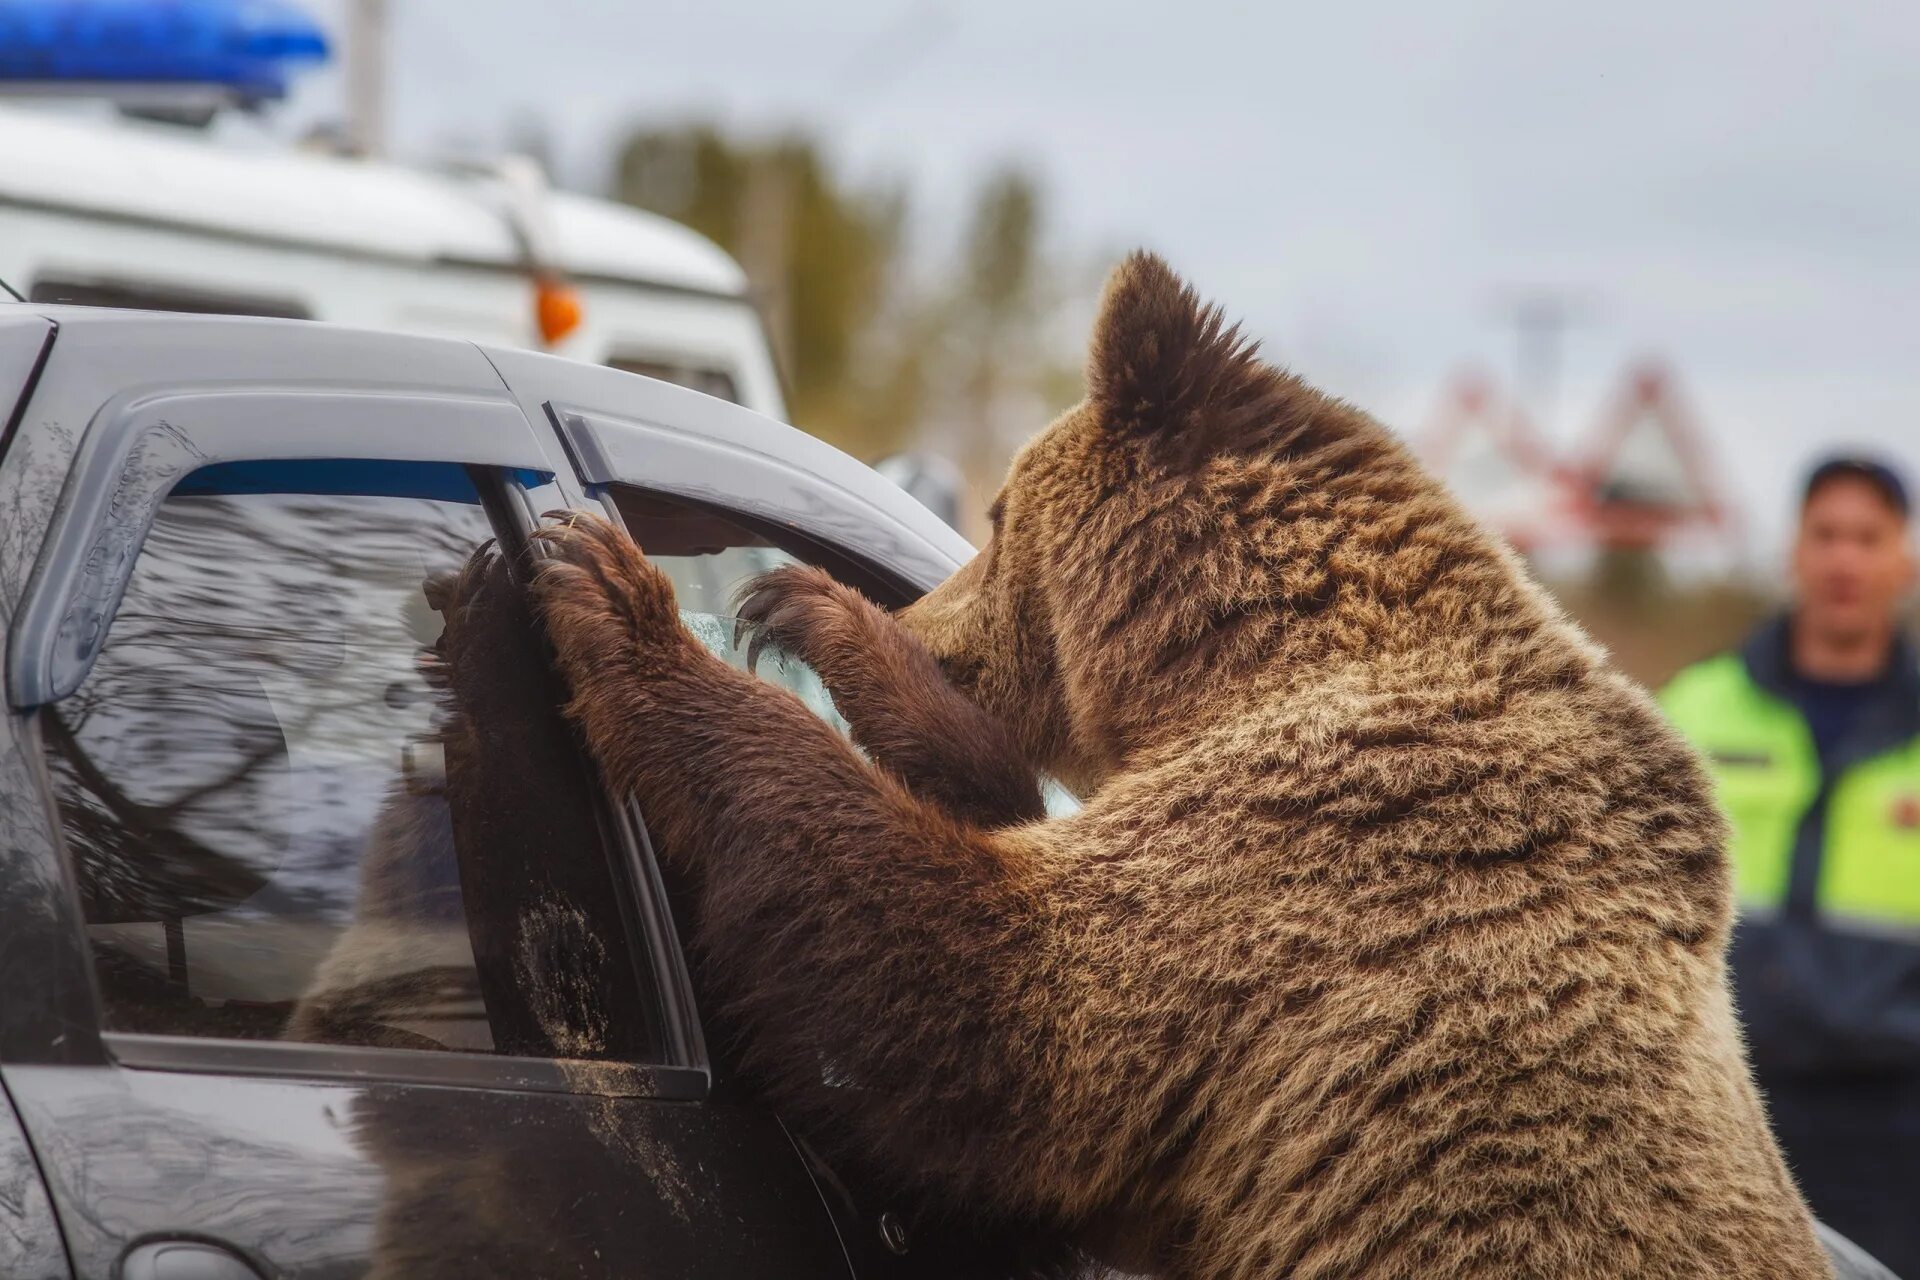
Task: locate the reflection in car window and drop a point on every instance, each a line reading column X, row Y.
column 137, row 295
column 315, row 786
column 1060, row 802
column 717, row 632
column 717, row 383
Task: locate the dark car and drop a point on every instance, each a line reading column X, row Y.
column 325, row 952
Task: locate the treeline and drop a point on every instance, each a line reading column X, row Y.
column 886, row 342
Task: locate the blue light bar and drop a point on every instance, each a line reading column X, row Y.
column 245, row 46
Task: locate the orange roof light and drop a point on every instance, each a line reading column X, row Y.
column 557, row 307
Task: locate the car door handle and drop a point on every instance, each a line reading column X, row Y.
column 184, row 1260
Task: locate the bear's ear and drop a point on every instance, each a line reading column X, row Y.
column 1161, row 361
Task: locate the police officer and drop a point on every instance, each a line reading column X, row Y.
column 1812, row 731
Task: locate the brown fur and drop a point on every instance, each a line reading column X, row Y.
column 900, row 707
column 1389, row 942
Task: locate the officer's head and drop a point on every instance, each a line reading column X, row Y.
column 1853, row 556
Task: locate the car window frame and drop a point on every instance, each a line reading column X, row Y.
column 85, row 359
column 888, row 588
column 684, row 1076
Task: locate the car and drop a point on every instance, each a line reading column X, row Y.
column 326, row 952
column 304, row 979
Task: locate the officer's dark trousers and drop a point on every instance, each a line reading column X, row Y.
column 1853, row 1143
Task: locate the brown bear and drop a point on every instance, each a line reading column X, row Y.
column 1388, row 942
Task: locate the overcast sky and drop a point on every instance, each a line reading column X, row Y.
column 1733, row 186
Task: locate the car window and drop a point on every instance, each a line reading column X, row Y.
column 708, row 554
column 315, row 787
column 147, row 295
column 684, row 373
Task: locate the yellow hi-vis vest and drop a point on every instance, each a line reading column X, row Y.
column 1839, row 838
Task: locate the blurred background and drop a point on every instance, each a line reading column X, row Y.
column 1618, row 272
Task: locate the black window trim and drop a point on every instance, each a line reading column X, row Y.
column 672, row 441
column 673, row 983
column 624, row 356
column 292, row 1059
column 510, row 508
column 150, row 293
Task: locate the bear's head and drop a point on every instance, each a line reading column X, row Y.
column 1198, row 522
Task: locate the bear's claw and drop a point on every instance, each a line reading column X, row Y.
column 784, row 608
column 598, row 593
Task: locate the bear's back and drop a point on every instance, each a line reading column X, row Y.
column 1433, row 942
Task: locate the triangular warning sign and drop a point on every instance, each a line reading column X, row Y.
column 1644, row 474
column 1647, row 469
column 1484, row 450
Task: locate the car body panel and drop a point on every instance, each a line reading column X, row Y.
column 30, row 1244
column 24, row 341
column 310, row 1179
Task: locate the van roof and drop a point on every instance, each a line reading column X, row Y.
column 129, row 171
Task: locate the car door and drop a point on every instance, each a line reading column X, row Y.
column 715, row 494
column 326, row 956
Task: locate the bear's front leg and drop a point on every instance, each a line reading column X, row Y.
column 616, row 629
column 902, row 710
column 892, row 968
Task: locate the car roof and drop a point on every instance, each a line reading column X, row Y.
column 721, row 422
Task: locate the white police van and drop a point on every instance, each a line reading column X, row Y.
column 135, row 214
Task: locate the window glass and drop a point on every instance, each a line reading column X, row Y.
column 316, row 786
column 1060, row 802
column 717, row 383
column 137, row 295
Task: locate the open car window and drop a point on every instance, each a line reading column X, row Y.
column 709, row 554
